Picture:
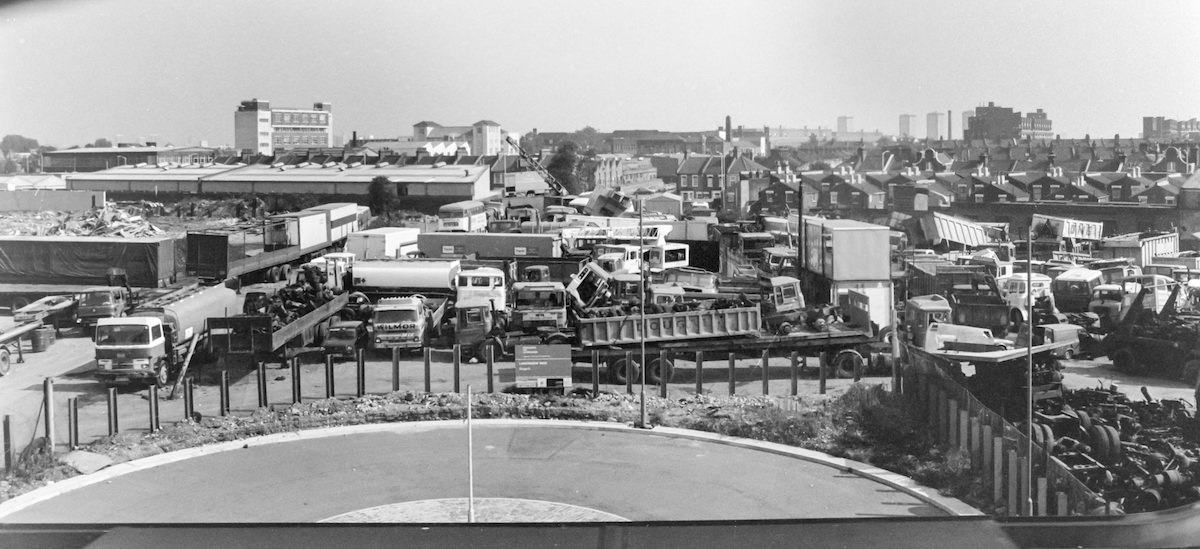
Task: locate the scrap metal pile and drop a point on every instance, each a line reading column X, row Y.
column 292, row 301
column 1139, row 455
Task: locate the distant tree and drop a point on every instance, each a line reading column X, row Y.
column 587, row 138
column 17, row 143
column 381, row 195
column 101, row 142
column 8, row 167
column 563, row 165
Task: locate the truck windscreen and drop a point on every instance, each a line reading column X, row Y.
column 122, row 335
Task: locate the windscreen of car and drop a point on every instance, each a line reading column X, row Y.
column 122, row 335
column 97, row 299
column 389, row 317
column 342, row 333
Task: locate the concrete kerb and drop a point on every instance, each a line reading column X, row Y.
column 904, row 484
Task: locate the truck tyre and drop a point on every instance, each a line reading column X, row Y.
column 1124, row 361
column 619, row 371
column 482, row 348
column 273, row 274
column 847, row 364
column 557, row 339
column 1100, row 442
column 5, row 361
column 660, row 370
column 161, row 375
column 287, row 274
column 785, row 328
column 1191, row 370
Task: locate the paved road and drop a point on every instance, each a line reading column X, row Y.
column 637, row 475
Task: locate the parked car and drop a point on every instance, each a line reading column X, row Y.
column 345, row 338
column 53, row 310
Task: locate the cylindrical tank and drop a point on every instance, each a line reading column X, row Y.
column 187, row 314
column 408, row 274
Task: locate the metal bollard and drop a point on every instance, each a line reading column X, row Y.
column 732, row 381
column 8, row 448
column 457, row 365
column 663, row 373
column 224, row 390
column 490, row 358
column 72, row 424
column 296, row 396
column 822, row 366
column 329, row 388
column 765, row 378
column 699, row 372
column 794, row 372
column 48, row 400
column 629, row 372
column 113, row 426
column 395, row 369
column 428, row 370
column 360, row 372
column 595, row 373
column 154, row 426
column 262, row 384
column 189, row 399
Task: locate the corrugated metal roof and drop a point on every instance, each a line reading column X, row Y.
column 940, row 227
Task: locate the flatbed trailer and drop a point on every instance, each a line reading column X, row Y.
column 10, row 342
column 15, row 296
column 254, row 335
column 270, row 248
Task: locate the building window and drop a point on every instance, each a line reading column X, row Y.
column 1002, row 198
column 1143, row 199
column 689, row 195
column 1170, row 200
column 833, row 197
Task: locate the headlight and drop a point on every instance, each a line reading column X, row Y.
column 105, row 363
column 378, row 340
column 141, row 363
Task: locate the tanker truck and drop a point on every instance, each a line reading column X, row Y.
column 159, row 338
column 388, row 278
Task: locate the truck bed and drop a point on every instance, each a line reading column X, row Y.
column 252, row 334
column 724, row 323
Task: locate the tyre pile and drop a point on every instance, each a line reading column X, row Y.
column 1139, row 455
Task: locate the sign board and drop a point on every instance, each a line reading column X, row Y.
column 543, row 366
column 1070, row 228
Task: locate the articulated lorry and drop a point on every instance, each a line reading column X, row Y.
column 160, row 337
column 269, row 249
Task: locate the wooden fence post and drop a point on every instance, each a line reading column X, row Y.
column 1014, row 491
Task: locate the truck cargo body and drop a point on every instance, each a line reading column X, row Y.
column 342, row 218
column 844, row 249
column 385, row 278
column 460, row 245
column 149, row 262
column 723, row 323
column 219, row 254
column 383, row 243
column 255, row 335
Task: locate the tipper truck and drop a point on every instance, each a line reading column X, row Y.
column 159, row 338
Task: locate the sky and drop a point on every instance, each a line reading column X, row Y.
column 175, row 70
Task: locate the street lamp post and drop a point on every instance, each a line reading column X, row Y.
column 1029, row 368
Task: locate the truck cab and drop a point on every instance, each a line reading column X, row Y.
column 590, row 287
column 920, row 312
column 132, row 350
column 778, row 260
column 618, row 258
column 400, row 323
column 539, row 305
column 669, row 255
column 336, row 267
column 1073, row 289
column 102, row 302
column 783, row 306
column 1016, row 289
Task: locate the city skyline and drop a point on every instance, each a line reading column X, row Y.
column 176, row 71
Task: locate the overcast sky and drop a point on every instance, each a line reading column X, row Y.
column 75, row 70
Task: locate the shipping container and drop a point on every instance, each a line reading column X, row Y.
column 85, row 260
column 383, row 243
column 844, row 249
column 483, row 245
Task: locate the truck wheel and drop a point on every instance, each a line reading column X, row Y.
column 161, row 374
column 619, row 371
column 1124, row 361
column 287, row 274
column 5, row 362
column 847, row 364
column 482, row 349
column 1191, row 370
column 660, row 370
column 557, row 339
column 785, row 328
column 273, row 274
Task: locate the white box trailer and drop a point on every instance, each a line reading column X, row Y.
column 343, row 218
column 308, row 230
column 383, row 243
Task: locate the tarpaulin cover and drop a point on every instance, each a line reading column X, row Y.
column 148, row 262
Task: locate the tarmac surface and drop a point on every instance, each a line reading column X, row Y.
column 524, row 471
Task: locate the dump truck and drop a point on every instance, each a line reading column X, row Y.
column 407, row 322
column 160, row 337
column 277, row 327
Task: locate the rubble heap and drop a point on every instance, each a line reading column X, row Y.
column 110, row 220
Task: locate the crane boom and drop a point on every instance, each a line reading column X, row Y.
column 551, row 181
